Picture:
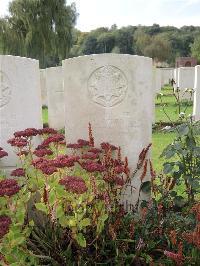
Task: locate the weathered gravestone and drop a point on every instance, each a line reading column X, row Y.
column 196, row 106
column 20, row 101
column 156, row 83
column 166, row 75
column 114, row 93
column 157, row 79
column 185, row 81
column 43, row 87
column 55, row 95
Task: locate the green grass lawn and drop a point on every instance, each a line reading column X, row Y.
column 160, row 139
column 171, row 107
column 45, row 115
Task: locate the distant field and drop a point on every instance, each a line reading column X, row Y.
column 160, row 139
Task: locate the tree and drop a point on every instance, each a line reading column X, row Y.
column 106, row 42
column 141, row 41
column 124, row 40
column 195, row 49
column 41, row 29
column 159, row 49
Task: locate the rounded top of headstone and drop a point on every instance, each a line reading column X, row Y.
column 18, row 59
column 109, row 55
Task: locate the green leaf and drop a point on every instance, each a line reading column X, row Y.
column 20, row 216
column 101, row 222
column 179, row 201
column 183, row 129
column 168, row 167
column 41, row 207
column 52, row 197
column 168, row 152
column 84, row 223
column 81, row 240
column 59, row 211
column 64, row 221
column 146, row 187
column 31, row 223
column 60, row 191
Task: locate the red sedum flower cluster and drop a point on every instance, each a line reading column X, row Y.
column 74, row 184
column 18, row 172
column 18, row 142
column 29, row 132
column 5, row 223
column 8, row 187
column 3, row 153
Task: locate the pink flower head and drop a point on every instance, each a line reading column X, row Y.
column 8, row 187
column 37, row 163
column 54, row 138
column 65, row 161
column 46, row 166
column 83, row 142
column 117, row 180
column 74, row 184
column 18, row 142
column 107, row 146
column 5, row 222
column 29, row 132
column 42, row 152
column 90, row 156
column 47, row 130
column 48, row 170
column 3, row 153
column 93, row 167
column 74, row 146
column 18, row 172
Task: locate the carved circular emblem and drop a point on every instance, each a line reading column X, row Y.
column 107, row 86
column 5, row 89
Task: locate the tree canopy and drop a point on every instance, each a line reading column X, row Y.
column 44, row 29
column 40, row 29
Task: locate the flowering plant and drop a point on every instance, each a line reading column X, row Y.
column 62, row 207
column 74, row 187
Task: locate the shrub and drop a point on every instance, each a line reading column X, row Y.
column 63, row 207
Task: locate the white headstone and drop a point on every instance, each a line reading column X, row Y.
column 55, row 95
column 196, row 106
column 185, row 81
column 114, row 93
column 20, row 101
column 166, row 75
column 156, row 87
column 43, row 87
column 157, row 79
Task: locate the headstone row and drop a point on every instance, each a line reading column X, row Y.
column 112, row 92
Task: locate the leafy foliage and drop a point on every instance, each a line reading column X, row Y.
column 38, row 29
column 64, row 208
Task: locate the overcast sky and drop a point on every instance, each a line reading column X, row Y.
column 98, row 13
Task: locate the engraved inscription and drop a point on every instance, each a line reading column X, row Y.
column 107, row 86
column 5, row 89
